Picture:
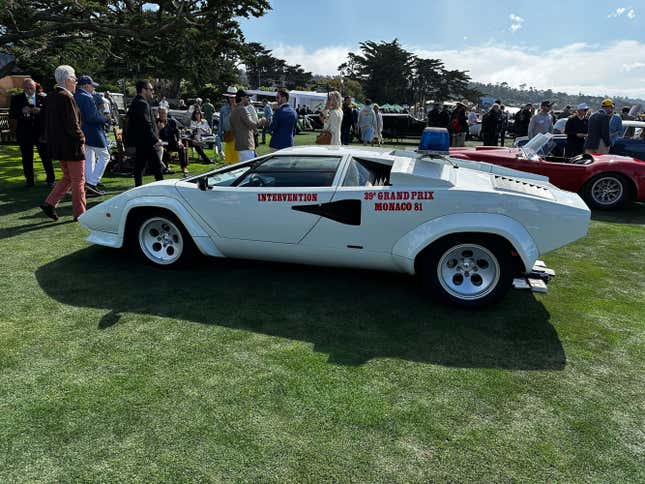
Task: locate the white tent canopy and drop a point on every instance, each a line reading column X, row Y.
column 307, row 98
column 302, row 98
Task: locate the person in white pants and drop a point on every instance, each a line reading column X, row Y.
column 93, row 122
column 96, row 160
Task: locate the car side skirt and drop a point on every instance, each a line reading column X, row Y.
column 104, row 238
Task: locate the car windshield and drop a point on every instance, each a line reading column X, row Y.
column 633, row 129
column 540, row 145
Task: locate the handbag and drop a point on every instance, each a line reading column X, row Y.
column 324, row 138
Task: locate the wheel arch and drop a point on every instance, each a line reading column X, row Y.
column 631, row 184
column 154, row 205
column 411, row 248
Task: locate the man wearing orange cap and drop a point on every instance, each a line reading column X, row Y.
column 598, row 140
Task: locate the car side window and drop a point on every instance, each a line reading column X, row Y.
column 292, row 171
column 366, row 173
column 227, row 176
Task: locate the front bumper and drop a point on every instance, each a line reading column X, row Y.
column 105, row 238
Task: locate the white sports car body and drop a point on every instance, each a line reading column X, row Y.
column 468, row 228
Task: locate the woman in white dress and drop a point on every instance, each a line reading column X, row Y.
column 367, row 122
column 333, row 116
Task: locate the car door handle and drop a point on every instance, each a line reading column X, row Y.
column 343, row 211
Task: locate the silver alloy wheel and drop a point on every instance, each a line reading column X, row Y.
column 607, row 190
column 468, row 271
column 161, row 240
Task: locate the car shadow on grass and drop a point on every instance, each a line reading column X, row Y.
column 632, row 214
column 351, row 315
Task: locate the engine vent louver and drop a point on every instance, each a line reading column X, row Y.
column 522, row 186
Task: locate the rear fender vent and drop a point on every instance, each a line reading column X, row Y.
column 522, row 186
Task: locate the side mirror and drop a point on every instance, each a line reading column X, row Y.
column 202, row 183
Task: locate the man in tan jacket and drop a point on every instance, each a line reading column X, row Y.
column 243, row 126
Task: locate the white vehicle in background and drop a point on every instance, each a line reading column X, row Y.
column 558, row 127
column 468, row 229
column 475, row 130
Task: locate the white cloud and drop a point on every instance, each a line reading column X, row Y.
column 617, row 13
column 615, row 69
column 517, row 22
column 629, row 12
column 632, row 66
column 320, row 61
column 573, row 68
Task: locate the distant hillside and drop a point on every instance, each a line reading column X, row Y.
column 518, row 97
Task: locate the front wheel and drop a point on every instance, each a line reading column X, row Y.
column 469, row 271
column 607, row 192
column 163, row 241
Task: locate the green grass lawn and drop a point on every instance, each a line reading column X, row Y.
column 111, row 370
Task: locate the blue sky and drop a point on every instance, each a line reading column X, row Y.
column 597, row 47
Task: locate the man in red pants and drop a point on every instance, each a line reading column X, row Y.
column 66, row 143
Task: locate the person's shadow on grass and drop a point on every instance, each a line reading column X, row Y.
column 351, row 315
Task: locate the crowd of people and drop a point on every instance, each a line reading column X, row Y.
column 27, row 117
column 586, row 130
column 239, row 128
column 455, row 121
column 68, row 125
column 71, row 124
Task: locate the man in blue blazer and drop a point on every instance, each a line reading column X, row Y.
column 97, row 154
column 284, row 122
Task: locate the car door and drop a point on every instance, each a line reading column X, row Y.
column 567, row 176
column 377, row 213
column 259, row 205
column 563, row 175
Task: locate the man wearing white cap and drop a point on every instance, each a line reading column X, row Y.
column 576, row 131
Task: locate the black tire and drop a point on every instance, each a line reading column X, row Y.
column 162, row 240
column 468, row 270
column 608, row 191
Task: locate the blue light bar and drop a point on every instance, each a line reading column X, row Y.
column 434, row 141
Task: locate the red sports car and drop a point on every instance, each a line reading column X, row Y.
column 603, row 181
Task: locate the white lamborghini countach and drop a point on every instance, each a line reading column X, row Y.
column 469, row 229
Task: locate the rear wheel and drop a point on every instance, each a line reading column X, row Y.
column 470, row 270
column 607, row 192
column 163, row 241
